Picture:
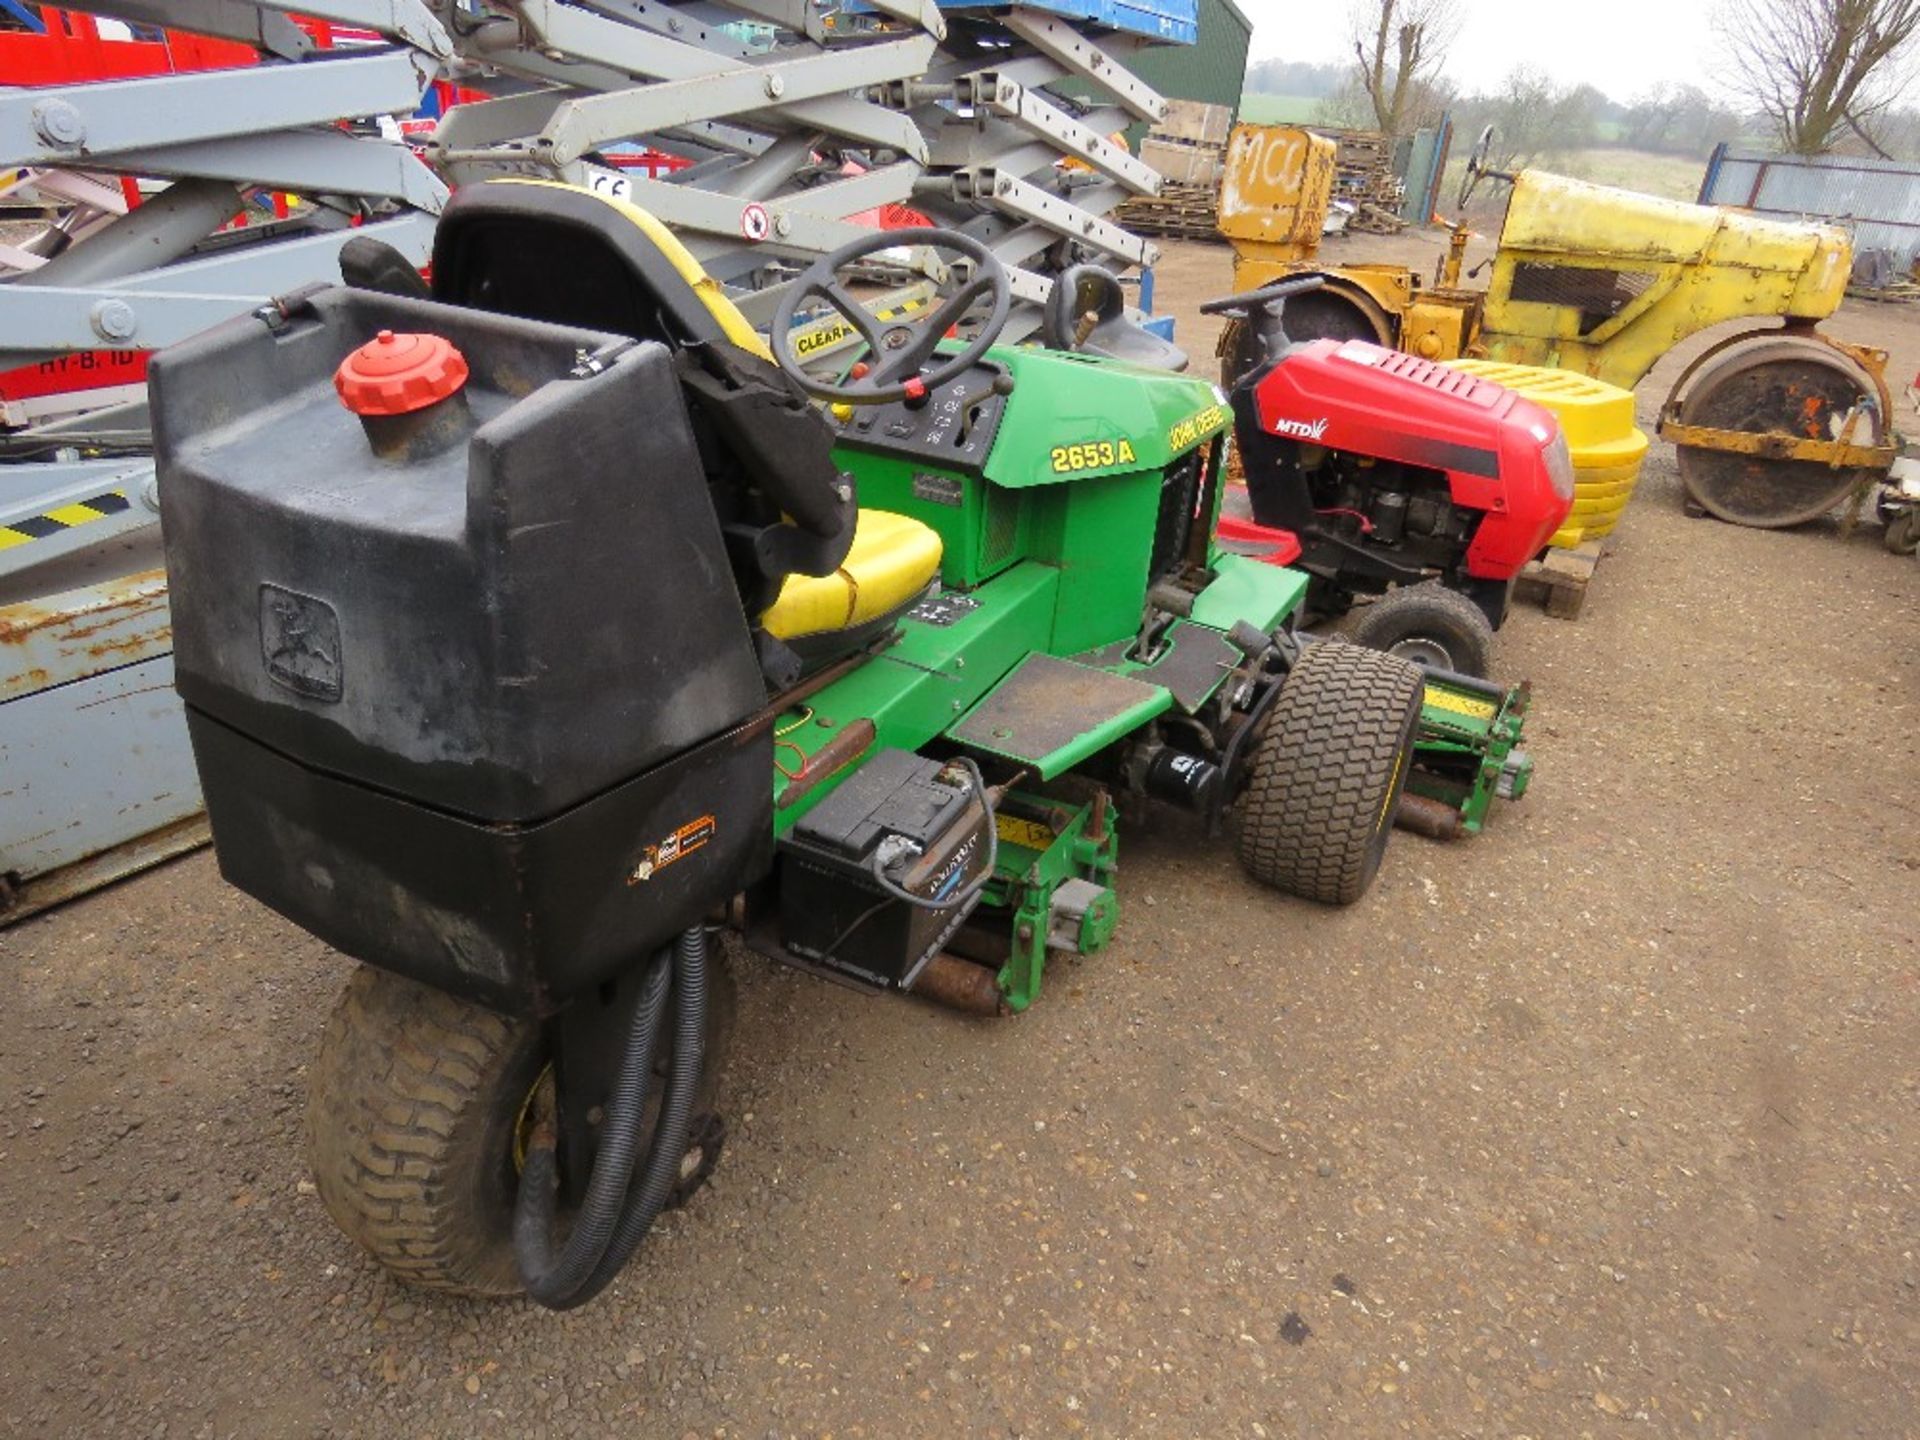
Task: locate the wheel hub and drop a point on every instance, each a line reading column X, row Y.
column 1424, row 651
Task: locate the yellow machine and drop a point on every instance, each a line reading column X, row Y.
column 1597, row 420
column 1774, row 424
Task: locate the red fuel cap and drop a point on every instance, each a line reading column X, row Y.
column 398, row 374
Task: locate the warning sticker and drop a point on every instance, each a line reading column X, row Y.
column 52, row 522
column 754, row 223
column 1028, row 834
column 674, row 848
column 1453, row 701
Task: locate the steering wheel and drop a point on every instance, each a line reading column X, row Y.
column 897, row 351
column 1476, row 167
column 1264, row 312
column 1248, row 301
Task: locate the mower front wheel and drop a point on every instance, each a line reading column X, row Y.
column 1431, row 626
column 1327, row 773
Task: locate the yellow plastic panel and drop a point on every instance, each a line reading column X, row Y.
column 892, row 559
column 1597, row 419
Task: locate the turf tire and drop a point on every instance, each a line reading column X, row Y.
column 1431, row 625
column 1327, row 772
column 412, row 1110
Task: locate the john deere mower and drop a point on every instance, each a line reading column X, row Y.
column 535, row 629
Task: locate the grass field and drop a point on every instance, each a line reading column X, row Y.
column 1671, row 177
column 1676, row 177
column 1279, row 109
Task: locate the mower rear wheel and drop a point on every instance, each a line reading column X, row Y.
column 1327, row 773
column 1431, row 626
column 414, row 1114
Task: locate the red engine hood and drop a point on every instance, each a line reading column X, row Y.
column 1353, row 396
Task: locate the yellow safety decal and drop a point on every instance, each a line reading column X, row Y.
column 63, row 518
column 1028, row 833
column 821, row 336
column 1194, row 427
column 1090, row 455
column 831, row 332
column 1471, row 706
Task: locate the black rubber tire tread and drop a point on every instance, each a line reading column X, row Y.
column 411, row 1112
column 1429, row 609
column 1327, row 773
column 1902, row 535
column 1234, row 348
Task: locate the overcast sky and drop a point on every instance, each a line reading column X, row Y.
column 1620, row 46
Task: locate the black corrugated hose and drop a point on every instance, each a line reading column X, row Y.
column 616, row 1214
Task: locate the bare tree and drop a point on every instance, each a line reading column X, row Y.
column 1675, row 119
column 1532, row 118
column 1819, row 68
column 1398, row 49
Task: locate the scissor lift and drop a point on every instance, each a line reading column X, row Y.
column 788, row 119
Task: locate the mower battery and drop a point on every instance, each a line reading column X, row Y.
column 919, row 823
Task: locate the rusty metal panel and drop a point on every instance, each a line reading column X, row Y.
column 1877, row 200
column 1275, row 191
column 96, row 774
column 56, row 639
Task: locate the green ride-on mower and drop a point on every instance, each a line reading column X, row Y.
column 533, row 630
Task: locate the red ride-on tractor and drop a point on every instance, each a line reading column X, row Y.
column 1401, row 478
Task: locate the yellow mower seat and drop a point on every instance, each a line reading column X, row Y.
column 559, row 253
column 892, row 560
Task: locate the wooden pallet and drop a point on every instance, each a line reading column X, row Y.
column 1898, row 293
column 1186, row 211
column 1559, row 579
column 1375, row 220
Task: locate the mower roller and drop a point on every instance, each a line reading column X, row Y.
column 535, row 629
column 1776, row 429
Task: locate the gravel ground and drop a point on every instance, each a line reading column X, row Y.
column 1606, row 1122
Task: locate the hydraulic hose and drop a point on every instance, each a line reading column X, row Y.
column 669, row 1149
column 553, row 1278
column 618, row 1212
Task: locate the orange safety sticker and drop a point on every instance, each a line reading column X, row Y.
column 675, row 847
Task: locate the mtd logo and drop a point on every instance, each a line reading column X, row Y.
column 1301, row 429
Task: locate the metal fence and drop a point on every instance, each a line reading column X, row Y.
column 1877, row 200
column 1421, row 160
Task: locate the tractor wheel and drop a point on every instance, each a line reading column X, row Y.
column 1327, row 773
column 1902, row 535
column 1430, row 625
column 1237, row 352
column 414, row 1116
